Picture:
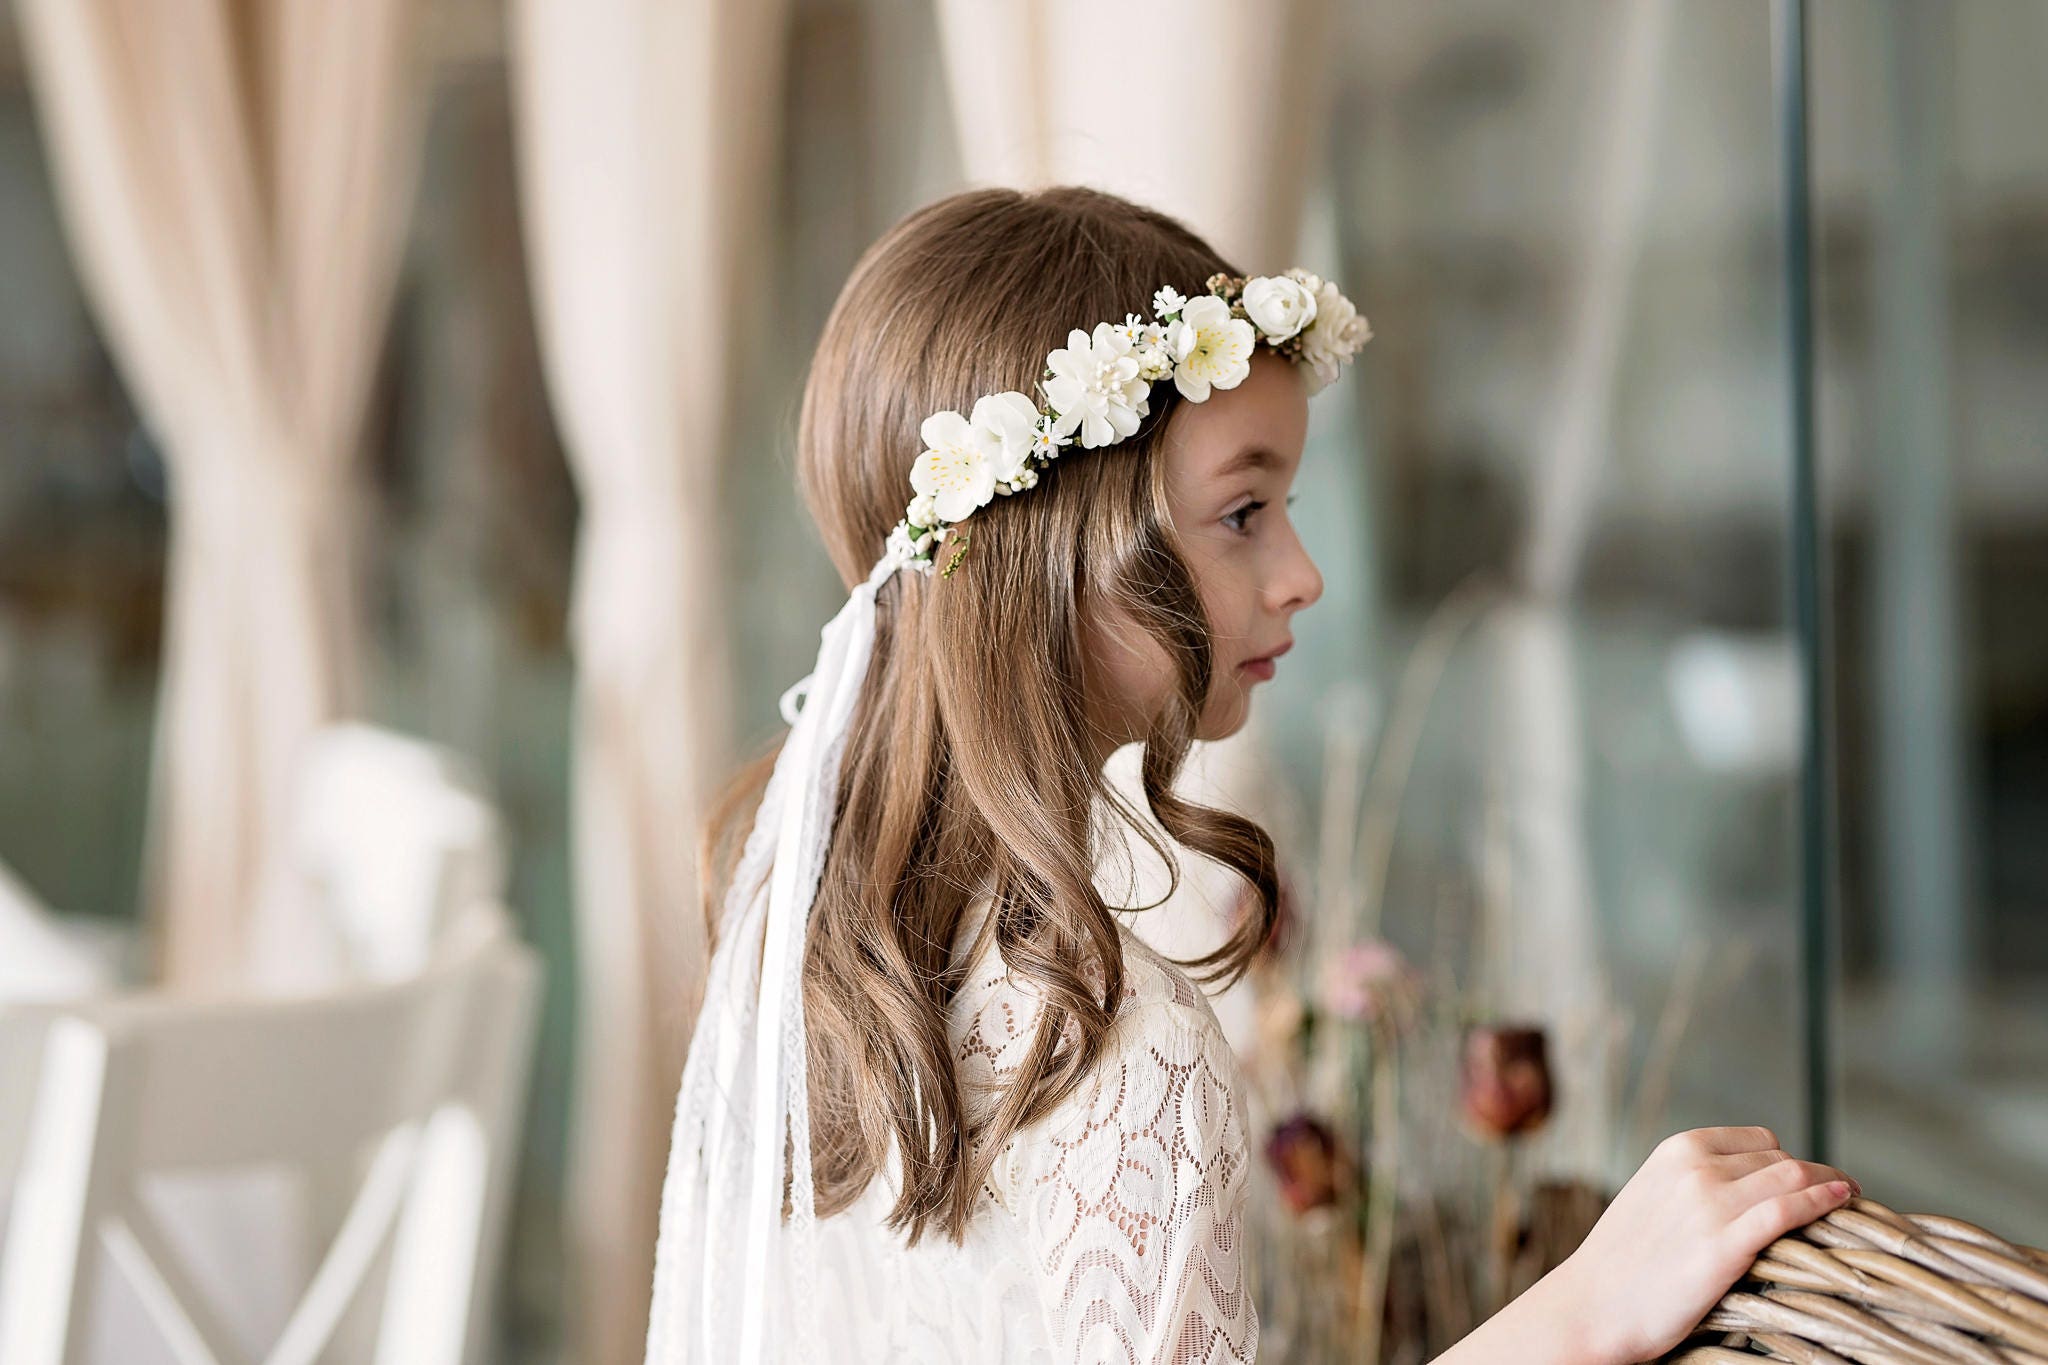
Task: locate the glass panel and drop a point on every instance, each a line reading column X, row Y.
column 1932, row 198
column 1554, row 523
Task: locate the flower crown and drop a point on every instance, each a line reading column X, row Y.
column 1098, row 387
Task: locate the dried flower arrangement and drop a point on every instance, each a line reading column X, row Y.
column 1398, row 1211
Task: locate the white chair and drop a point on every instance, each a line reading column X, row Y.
column 425, row 1078
column 41, row 962
column 39, row 958
column 397, row 853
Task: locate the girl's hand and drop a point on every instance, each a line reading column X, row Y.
column 1683, row 1230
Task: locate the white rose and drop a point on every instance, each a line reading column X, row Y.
column 1280, row 306
column 1338, row 331
column 1308, row 279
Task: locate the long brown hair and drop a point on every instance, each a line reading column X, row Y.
column 970, row 757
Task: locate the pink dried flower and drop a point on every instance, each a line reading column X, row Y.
column 1364, row 981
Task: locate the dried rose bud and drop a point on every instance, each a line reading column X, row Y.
column 1304, row 1154
column 1505, row 1080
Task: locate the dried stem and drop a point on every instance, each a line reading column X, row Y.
column 1380, row 1206
column 1420, row 677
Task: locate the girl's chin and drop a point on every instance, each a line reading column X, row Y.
column 1223, row 722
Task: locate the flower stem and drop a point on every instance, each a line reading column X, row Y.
column 1380, row 1207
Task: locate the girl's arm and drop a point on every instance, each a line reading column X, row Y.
column 1680, row 1233
column 1539, row 1328
column 1134, row 1194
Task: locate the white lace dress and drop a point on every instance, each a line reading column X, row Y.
column 1111, row 1231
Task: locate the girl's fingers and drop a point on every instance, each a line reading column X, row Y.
column 1740, row 1164
column 1783, row 1175
column 1767, row 1220
column 1730, row 1141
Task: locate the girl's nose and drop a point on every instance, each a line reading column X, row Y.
column 1300, row 583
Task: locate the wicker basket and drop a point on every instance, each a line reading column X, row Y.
column 1866, row 1284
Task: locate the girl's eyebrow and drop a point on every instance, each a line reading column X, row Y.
column 1251, row 457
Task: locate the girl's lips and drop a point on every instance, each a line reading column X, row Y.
column 1262, row 667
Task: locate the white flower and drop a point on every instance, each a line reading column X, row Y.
column 1011, row 419
column 1167, row 301
column 957, row 470
column 1279, row 306
column 1131, row 329
column 1046, row 442
column 922, row 511
column 1154, row 362
column 1336, row 334
column 1214, row 348
column 1096, row 387
column 904, row 550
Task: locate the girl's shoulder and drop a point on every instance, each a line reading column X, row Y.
column 1163, row 1017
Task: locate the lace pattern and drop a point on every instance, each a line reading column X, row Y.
column 1128, row 1198
column 1110, row 1231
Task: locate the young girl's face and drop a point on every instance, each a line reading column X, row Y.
column 1230, row 462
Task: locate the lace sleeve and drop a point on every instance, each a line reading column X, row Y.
column 1132, row 1198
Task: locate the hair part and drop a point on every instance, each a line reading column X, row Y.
column 960, row 765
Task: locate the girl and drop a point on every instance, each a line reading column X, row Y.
column 941, row 1105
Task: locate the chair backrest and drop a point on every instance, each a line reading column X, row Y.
column 38, row 961
column 23, row 1029
column 396, row 838
column 425, row 1078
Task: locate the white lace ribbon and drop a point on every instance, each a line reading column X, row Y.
column 731, row 1275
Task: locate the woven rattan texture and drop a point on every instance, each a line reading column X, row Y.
column 1869, row 1285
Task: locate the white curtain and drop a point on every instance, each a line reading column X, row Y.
column 1232, row 153
column 646, row 131
column 1243, row 91
column 234, row 180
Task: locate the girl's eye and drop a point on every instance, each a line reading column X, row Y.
column 1241, row 516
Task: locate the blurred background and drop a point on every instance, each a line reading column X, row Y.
column 418, row 364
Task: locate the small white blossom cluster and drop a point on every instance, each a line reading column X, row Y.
column 1097, row 389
